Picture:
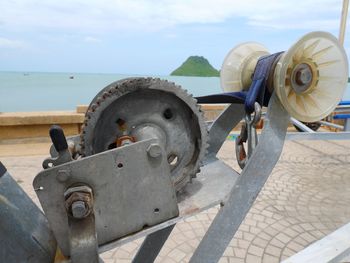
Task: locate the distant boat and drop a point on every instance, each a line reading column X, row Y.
column 71, row 77
column 25, row 74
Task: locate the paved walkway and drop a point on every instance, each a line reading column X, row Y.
column 306, row 197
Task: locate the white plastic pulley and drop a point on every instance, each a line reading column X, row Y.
column 311, row 77
column 238, row 66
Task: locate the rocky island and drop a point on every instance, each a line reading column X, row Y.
column 196, row 66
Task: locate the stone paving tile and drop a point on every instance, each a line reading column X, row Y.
column 304, row 199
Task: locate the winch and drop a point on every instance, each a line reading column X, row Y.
column 143, row 108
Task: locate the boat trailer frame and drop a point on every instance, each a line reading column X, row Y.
column 217, row 184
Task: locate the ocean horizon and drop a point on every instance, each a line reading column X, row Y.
column 49, row 91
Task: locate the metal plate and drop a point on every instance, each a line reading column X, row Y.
column 210, row 188
column 131, row 191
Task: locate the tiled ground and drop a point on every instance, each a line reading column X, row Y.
column 306, row 197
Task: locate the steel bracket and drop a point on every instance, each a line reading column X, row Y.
column 247, row 186
column 131, row 190
column 83, row 240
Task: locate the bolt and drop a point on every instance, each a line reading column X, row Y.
column 154, row 150
column 125, row 142
column 62, row 175
column 79, row 201
column 79, row 209
column 303, row 76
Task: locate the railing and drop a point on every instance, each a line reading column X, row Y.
column 309, row 134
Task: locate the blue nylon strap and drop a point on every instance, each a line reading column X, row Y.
column 254, row 94
column 257, row 92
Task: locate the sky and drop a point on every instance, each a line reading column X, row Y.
column 149, row 36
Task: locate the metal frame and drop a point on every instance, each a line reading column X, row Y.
column 318, row 136
column 301, row 125
column 246, row 188
column 332, row 248
column 333, row 125
column 236, row 195
column 152, row 245
column 292, row 136
column 309, row 134
column 25, row 234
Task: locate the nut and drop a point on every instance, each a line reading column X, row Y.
column 79, row 201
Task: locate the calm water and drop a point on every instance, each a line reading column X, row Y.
column 56, row 91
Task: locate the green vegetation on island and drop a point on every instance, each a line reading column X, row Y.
column 196, row 66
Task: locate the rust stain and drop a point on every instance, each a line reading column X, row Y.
column 191, row 210
column 59, row 257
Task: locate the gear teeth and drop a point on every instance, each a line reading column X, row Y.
column 105, row 95
column 99, row 101
column 93, row 107
column 122, row 87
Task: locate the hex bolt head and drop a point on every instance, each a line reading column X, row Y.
column 79, row 209
column 154, row 150
column 304, row 76
column 62, row 175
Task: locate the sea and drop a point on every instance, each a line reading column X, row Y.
column 41, row 91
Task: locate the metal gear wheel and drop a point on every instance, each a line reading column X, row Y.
column 135, row 109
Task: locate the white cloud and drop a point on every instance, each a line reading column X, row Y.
column 90, row 39
column 9, row 43
column 170, row 35
column 110, row 15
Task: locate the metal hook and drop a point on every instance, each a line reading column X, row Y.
column 241, row 155
column 248, row 134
